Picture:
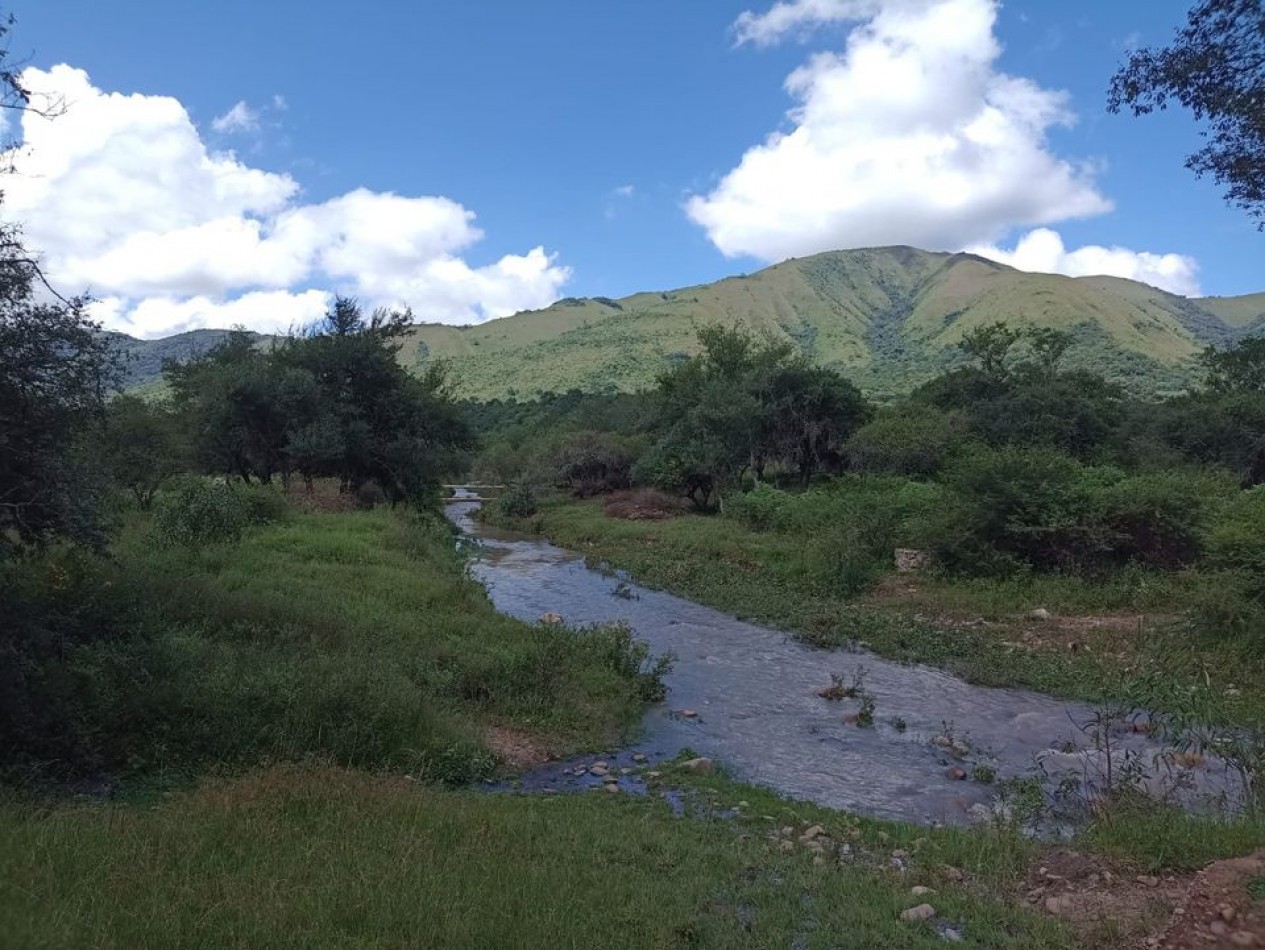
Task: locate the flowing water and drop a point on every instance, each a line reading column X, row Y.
column 753, row 692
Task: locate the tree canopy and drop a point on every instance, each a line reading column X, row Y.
column 1215, row 67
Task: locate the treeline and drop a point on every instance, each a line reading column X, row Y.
column 1008, row 464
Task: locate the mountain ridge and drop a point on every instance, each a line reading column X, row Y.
column 887, row 317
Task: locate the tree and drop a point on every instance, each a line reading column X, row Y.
column 332, row 402
column 141, row 446
column 990, row 347
column 1239, row 369
column 55, row 372
column 1215, row 67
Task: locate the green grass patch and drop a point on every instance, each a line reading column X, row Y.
column 355, row 638
column 303, row 857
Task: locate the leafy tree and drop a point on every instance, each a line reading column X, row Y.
column 809, row 413
column 141, row 445
column 990, row 346
column 1215, row 67
column 55, row 372
column 331, row 402
column 1239, row 369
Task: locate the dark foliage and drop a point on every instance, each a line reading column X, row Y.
column 1215, row 67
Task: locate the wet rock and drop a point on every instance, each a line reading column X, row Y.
column 956, row 773
column 943, row 742
column 639, row 757
column 599, row 770
column 689, row 714
column 551, row 618
column 919, row 913
column 701, row 766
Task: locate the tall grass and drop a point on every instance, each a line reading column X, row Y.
column 355, row 638
column 295, row 857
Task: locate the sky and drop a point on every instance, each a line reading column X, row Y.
column 238, row 163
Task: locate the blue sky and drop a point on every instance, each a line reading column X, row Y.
column 627, row 140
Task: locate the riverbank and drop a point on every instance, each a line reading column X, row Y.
column 1120, row 639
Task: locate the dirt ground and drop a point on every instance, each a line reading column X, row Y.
column 1220, row 906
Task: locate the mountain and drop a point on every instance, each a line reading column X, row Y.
column 143, row 359
column 887, row 317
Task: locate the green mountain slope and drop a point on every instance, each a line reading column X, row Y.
column 888, row 317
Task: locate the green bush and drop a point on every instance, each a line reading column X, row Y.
column 764, row 508
column 1236, row 539
column 911, row 439
column 517, row 502
column 198, row 511
column 1157, row 519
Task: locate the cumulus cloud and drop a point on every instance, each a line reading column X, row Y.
column 240, row 118
column 1043, row 250
column 125, row 200
column 909, row 136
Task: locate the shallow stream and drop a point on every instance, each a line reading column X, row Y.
column 753, row 695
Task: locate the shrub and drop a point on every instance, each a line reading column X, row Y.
column 517, row 502
column 764, row 508
column 911, row 440
column 1157, row 519
column 201, row 511
column 1236, row 539
column 590, row 463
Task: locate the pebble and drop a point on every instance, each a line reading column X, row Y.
column 1227, row 913
column 921, row 912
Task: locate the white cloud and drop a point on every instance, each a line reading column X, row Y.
column 240, row 118
column 910, row 136
column 125, row 200
column 625, row 191
column 1043, row 251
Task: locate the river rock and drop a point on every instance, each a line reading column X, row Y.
column 551, row 618
column 702, row 765
column 957, row 774
column 919, row 913
column 639, row 757
column 601, row 771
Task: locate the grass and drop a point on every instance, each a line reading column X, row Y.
column 312, row 856
column 352, row 637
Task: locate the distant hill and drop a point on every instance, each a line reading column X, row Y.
column 143, row 359
column 889, row 318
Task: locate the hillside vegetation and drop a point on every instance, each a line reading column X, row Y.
column 887, row 318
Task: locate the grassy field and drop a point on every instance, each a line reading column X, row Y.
column 1105, row 640
column 305, row 857
column 355, row 637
